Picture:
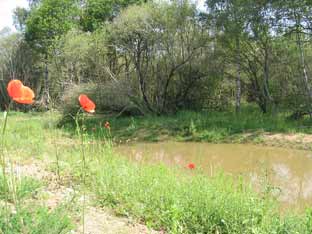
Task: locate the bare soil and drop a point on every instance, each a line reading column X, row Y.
column 97, row 220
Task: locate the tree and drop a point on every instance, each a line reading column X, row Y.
column 164, row 45
column 295, row 19
column 17, row 61
column 258, row 54
column 47, row 22
column 229, row 18
column 97, row 12
column 20, row 15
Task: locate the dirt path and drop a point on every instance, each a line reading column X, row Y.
column 97, row 220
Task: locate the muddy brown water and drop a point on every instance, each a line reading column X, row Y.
column 288, row 171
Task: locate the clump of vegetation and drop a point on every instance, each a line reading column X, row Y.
column 24, row 188
column 35, row 220
column 109, row 98
column 208, row 126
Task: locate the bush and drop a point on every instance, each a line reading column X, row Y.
column 109, row 98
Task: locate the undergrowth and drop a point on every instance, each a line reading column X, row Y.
column 248, row 126
column 25, row 187
column 35, row 220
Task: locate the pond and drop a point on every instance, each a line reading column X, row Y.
column 287, row 171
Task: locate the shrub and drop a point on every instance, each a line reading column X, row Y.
column 109, row 98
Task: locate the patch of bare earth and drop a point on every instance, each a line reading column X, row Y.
column 54, row 193
column 292, row 138
column 97, row 220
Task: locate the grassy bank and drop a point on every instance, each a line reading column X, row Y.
column 174, row 200
column 22, row 209
column 188, row 202
column 250, row 126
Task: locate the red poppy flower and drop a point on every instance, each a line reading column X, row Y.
column 191, row 166
column 14, row 88
column 86, row 103
column 20, row 93
column 107, row 125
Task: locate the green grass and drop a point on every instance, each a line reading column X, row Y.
column 217, row 127
column 25, row 188
column 35, row 220
column 26, row 138
column 172, row 199
column 26, row 216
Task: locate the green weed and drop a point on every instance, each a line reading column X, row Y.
column 25, row 187
column 217, row 127
column 35, row 220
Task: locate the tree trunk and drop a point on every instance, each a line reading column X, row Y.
column 46, row 93
column 303, row 65
column 141, row 77
column 127, row 68
column 302, row 60
column 266, row 71
column 238, row 78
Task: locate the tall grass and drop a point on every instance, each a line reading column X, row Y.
column 19, row 209
column 36, row 220
column 172, row 199
column 249, row 126
column 25, row 188
column 185, row 201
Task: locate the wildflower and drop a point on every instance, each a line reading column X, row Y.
column 107, row 125
column 14, row 88
column 20, row 93
column 86, row 103
column 191, row 166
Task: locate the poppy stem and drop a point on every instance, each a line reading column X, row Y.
column 3, row 163
column 6, row 119
column 57, row 156
column 80, row 135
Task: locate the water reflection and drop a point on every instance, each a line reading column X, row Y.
column 289, row 171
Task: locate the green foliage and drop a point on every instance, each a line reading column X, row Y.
column 49, row 21
column 19, row 17
column 164, row 54
column 97, row 12
column 36, row 220
column 171, row 56
column 75, row 62
column 250, row 126
column 25, row 187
